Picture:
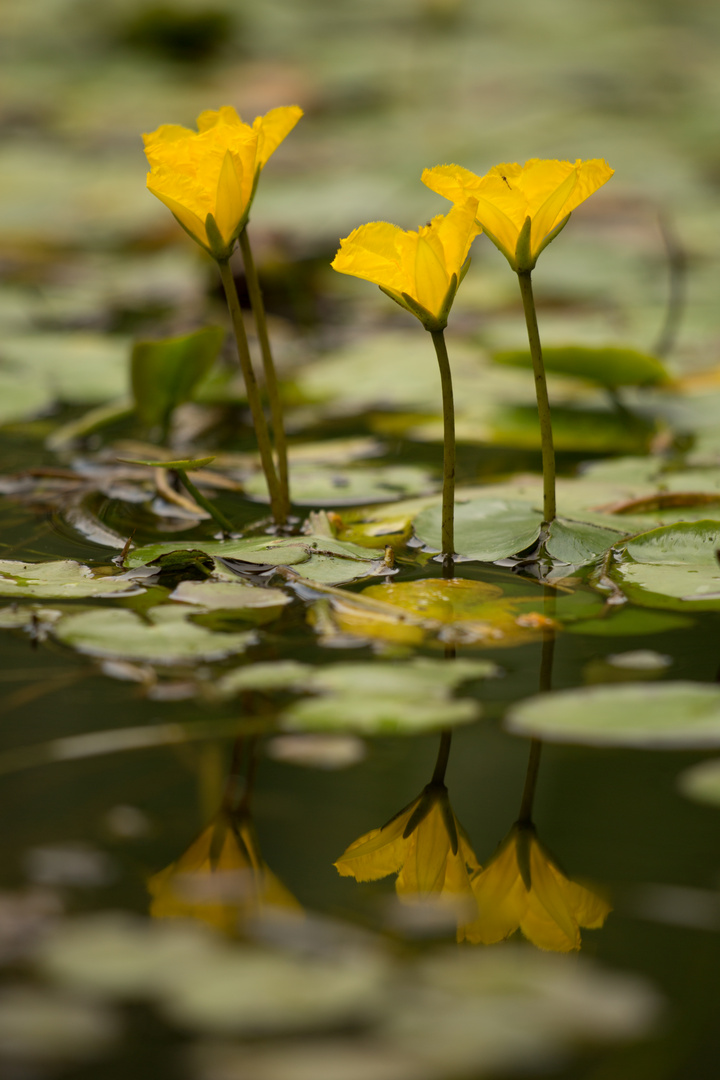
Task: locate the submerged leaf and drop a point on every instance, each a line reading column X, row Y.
column 607, row 365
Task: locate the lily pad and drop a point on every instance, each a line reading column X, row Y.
column 60, row 580
column 675, row 566
column 664, row 716
column 607, row 365
column 387, row 698
column 485, row 529
column 258, row 605
column 578, row 542
column 459, row 611
column 316, row 485
column 316, row 558
column 164, row 635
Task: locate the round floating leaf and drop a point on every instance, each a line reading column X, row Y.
column 316, row 485
column 578, row 543
column 627, row 621
column 411, row 612
column 607, row 365
column 675, row 566
column 60, row 580
column 316, row 558
column 663, row 716
column 259, row 605
column 22, row 396
column 702, row 782
column 80, row 368
column 163, row 636
column 485, row 529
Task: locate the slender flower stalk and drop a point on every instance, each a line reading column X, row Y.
column 253, row 394
column 448, row 492
column 421, row 271
column 541, row 393
column 271, row 382
column 217, row 515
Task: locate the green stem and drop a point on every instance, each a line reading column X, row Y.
column 271, row 383
column 543, row 403
column 528, row 797
column 217, row 515
column 253, row 394
column 438, row 776
column 448, row 496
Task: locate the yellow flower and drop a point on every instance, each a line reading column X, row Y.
column 420, row 270
column 426, row 847
column 522, row 207
column 208, row 177
column 523, row 888
column 220, row 880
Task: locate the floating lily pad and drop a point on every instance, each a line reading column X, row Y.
column 608, row 365
column 387, row 698
column 664, row 716
column 458, row 611
column 164, row 635
column 258, row 605
column 61, row 580
column 578, row 542
column 675, row 566
column 316, row 485
column 485, row 529
column 79, row 368
column 317, row 558
column 626, row 621
column 21, row 396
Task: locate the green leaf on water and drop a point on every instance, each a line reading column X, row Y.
column 578, row 543
column 675, row 567
column 607, row 365
column 318, row 485
column 252, row 602
column 62, row 579
column 485, row 529
column 668, row 715
column 316, row 558
column 164, row 635
column 164, row 373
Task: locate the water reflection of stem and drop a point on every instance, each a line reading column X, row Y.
column 528, row 796
column 547, row 657
column 543, row 402
column 448, row 496
column 271, row 383
column 253, row 394
column 438, row 776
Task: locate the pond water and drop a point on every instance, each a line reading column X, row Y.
column 93, row 821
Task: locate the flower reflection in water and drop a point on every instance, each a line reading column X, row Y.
column 523, row 888
column 222, row 879
column 426, row 847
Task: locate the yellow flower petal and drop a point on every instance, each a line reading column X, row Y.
column 544, row 191
column 229, row 196
column 501, row 898
column 185, row 216
column 423, row 871
column 273, row 127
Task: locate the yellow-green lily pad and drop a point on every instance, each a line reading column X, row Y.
column 61, row 579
